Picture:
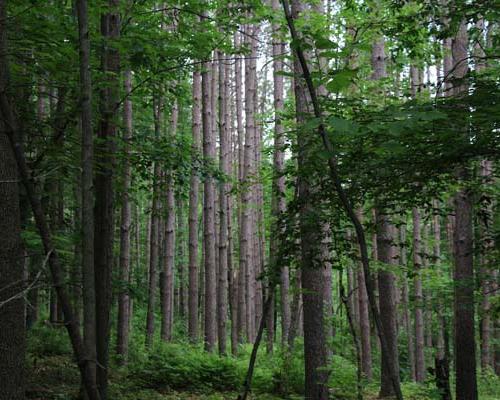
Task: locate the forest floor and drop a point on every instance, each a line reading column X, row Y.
column 56, row 377
column 180, row 371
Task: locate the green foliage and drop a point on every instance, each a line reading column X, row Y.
column 184, row 367
column 44, row 340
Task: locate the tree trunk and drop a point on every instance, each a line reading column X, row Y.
column 154, row 230
column 364, row 320
column 12, row 335
column 419, row 299
column 224, row 155
column 405, row 301
column 465, row 360
column 315, row 349
column 104, row 192
column 123, row 296
column 87, row 197
column 208, row 212
column 193, row 211
column 242, row 298
column 167, row 295
column 386, row 284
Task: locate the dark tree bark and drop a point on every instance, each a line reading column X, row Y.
column 104, row 191
column 122, row 334
column 87, row 195
column 12, row 335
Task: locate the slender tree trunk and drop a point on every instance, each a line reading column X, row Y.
column 123, row 296
column 465, row 361
column 208, row 213
column 247, row 295
column 104, row 192
column 167, row 296
column 486, row 272
column 193, row 211
column 87, row 197
column 419, row 299
column 242, row 295
column 386, row 254
column 405, row 300
column 224, row 155
column 386, row 282
column 364, row 320
column 12, row 335
column 154, row 231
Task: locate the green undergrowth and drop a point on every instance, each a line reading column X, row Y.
column 184, row 371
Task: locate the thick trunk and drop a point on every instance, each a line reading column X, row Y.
column 12, row 335
column 122, row 336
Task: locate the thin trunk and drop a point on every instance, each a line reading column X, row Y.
column 419, row 300
column 193, row 211
column 154, row 231
column 465, row 360
column 208, row 212
column 364, row 321
column 167, row 295
column 224, row 155
column 405, row 301
column 104, row 192
column 87, row 198
column 123, row 296
column 242, row 295
column 386, row 284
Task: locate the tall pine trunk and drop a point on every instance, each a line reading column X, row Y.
column 193, row 211
column 122, row 334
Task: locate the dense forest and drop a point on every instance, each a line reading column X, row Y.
column 275, row 199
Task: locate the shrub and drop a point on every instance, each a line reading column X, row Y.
column 44, row 340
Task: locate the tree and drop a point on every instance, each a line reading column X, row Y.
column 104, row 191
column 12, row 338
column 87, row 195
column 208, row 210
column 125, row 224
column 193, row 210
column 465, row 361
